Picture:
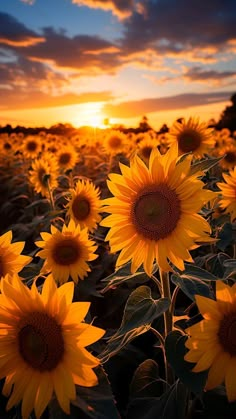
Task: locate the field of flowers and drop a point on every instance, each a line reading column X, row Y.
column 118, row 274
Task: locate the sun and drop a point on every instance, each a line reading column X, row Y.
column 89, row 114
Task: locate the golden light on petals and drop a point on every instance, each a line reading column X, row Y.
column 42, row 345
column 212, row 341
column 192, row 136
column 227, row 200
column 84, row 204
column 11, row 259
column 44, row 174
column 67, row 252
column 154, row 211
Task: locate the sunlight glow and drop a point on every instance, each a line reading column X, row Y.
column 90, row 114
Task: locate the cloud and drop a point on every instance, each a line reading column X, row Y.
column 183, row 101
column 121, row 8
column 174, row 26
column 20, row 98
column 14, row 33
column 205, row 76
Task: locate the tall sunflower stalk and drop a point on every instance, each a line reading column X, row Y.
column 154, row 216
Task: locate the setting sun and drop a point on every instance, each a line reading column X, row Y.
column 88, row 114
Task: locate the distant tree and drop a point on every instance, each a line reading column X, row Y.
column 144, row 125
column 228, row 116
column 164, row 128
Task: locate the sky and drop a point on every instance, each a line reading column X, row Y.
column 84, row 61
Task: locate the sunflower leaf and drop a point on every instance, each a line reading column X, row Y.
column 175, row 350
column 171, row 405
column 191, row 287
column 139, row 312
column 204, row 165
column 124, row 274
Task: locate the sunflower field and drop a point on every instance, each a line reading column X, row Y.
column 118, row 274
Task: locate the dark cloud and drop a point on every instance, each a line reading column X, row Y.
column 13, row 32
column 139, row 107
column 178, row 25
column 79, row 52
column 199, row 74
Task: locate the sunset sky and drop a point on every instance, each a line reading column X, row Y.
column 81, row 61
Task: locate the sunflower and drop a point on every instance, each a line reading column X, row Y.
column 212, row 342
column 228, row 189
column 42, row 345
column 67, row 252
column 154, row 211
column 31, row 147
column 66, row 156
column 44, row 174
column 115, row 142
column 84, row 204
column 229, row 160
column 11, row 260
column 191, row 136
column 145, row 147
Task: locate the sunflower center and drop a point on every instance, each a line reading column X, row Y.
column 155, row 212
column 40, row 341
column 189, row 140
column 7, row 146
column 66, row 252
column 41, row 176
column 114, row 142
column 64, row 158
column 31, row 146
column 227, row 333
column 80, row 208
column 230, row 157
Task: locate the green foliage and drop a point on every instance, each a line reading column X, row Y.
column 140, row 311
column 175, row 350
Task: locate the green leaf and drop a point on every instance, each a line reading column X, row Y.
column 230, row 268
column 175, row 350
column 171, row 405
column 139, row 312
column 225, row 236
column 204, row 165
column 124, row 274
column 195, row 272
column 191, row 287
column 216, row 264
column 146, row 380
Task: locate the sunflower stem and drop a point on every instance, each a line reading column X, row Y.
column 50, row 196
column 168, row 320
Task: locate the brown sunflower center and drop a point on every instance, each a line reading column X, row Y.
column 114, row 142
column 41, row 176
column 7, row 146
column 31, row 146
column 64, row 158
column 227, row 333
column 146, row 151
column 40, row 341
column 155, row 212
column 80, row 208
column 66, row 252
column 230, row 157
column 189, row 140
